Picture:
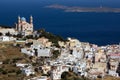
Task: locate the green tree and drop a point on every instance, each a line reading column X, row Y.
column 1, row 34
column 64, row 75
column 8, row 34
column 55, row 53
column 7, row 61
column 4, row 72
column 1, row 70
column 18, row 72
column 71, row 76
column 52, row 38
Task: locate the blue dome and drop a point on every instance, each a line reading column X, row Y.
column 23, row 19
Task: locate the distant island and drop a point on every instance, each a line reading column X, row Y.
column 83, row 9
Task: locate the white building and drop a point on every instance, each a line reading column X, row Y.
column 7, row 38
column 113, row 73
column 57, row 71
column 39, row 78
column 80, row 68
column 40, row 52
column 44, row 52
column 78, row 53
column 1, row 63
column 28, row 71
column 21, row 64
column 28, row 51
column 4, row 38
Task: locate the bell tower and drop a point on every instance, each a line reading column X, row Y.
column 18, row 26
column 31, row 20
column 18, row 19
column 31, row 23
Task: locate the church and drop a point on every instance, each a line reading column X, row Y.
column 23, row 27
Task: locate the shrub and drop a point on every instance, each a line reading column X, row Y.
column 1, row 70
column 6, row 61
column 4, row 72
column 56, row 53
column 18, row 72
column 1, row 34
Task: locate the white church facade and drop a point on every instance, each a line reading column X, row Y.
column 23, row 27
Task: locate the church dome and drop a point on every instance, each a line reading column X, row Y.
column 23, row 19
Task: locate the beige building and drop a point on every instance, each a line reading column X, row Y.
column 61, row 44
column 74, row 43
column 44, row 41
column 6, row 30
column 24, row 27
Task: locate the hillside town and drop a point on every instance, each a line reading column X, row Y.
column 50, row 56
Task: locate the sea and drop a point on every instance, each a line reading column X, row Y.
column 96, row 28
